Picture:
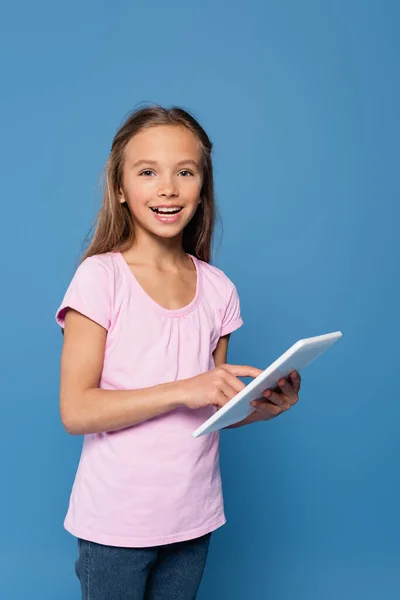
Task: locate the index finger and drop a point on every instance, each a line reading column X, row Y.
column 243, row 370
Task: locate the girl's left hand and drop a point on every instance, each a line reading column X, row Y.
column 277, row 400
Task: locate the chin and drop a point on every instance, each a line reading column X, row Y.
column 166, row 235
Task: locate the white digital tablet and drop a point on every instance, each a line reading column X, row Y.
column 299, row 356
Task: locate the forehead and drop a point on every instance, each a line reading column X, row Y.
column 161, row 142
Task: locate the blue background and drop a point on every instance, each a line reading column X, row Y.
column 301, row 101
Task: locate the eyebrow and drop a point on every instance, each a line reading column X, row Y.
column 154, row 162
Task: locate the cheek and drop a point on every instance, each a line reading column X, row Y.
column 191, row 191
column 138, row 196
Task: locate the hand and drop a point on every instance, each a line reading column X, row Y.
column 215, row 387
column 278, row 400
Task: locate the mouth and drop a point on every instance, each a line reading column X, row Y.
column 166, row 211
column 168, row 215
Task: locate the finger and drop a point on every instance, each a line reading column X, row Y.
column 266, row 407
column 275, row 398
column 230, row 386
column 220, row 399
column 228, row 391
column 242, row 370
column 296, row 380
column 234, row 382
column 287, row 389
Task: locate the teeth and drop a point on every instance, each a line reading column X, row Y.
column 167, row 211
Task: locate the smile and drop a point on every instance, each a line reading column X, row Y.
column 173, row 210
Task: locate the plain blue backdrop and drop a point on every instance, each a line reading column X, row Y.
column 301, row 100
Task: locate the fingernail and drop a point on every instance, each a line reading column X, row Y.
column 268, row 394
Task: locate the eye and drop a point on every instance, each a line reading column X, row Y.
column 146, row 172
column 186, row 171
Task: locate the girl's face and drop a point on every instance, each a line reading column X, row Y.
column 162, row 179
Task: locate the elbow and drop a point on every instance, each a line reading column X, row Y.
column 70, row 420
column 70, row 425
column 72, row 430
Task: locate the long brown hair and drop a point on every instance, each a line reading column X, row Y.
column 114, row 226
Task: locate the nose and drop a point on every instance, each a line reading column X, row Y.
column 167, row 187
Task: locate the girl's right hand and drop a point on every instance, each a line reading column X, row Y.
column 215, row 387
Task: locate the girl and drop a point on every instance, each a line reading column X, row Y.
column 146, row 323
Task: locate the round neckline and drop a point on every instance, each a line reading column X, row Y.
column 175, row 312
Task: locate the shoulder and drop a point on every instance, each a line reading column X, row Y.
column 217, row 278
column 98, row 269
column 220, row 290
column 99, row 262
column 95, row 274
column 91, row 290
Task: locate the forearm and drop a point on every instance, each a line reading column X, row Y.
column 97, row 410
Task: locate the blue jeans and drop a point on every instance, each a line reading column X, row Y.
column 170, row 572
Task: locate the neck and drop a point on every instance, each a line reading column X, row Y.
column 152, row 250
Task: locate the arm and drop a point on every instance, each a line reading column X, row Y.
column 84, row 407
column 220, row 357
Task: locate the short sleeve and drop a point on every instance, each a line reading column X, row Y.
column 89, row 293
column 232, row 318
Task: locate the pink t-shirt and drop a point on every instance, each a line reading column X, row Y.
column 152, row 483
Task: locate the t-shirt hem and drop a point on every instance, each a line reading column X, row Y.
column 230, row 327
column 140, row 542
column 60, row 315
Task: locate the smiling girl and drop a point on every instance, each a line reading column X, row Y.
column 147, row 320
